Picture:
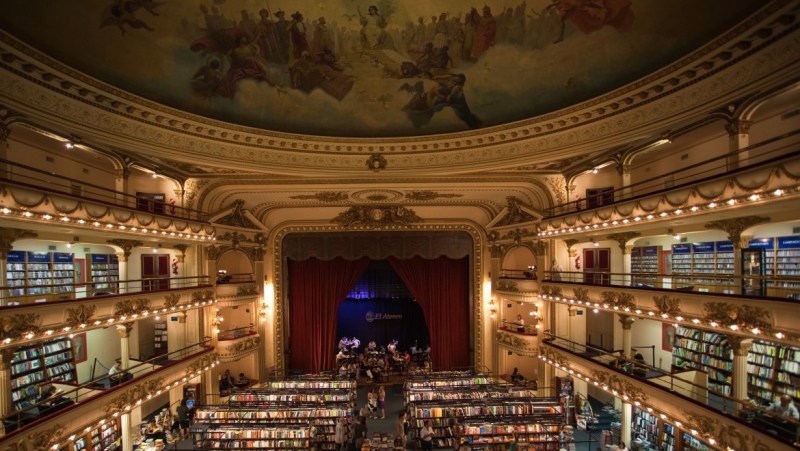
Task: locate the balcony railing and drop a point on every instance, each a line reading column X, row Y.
column 515, row 327
column 685, row 384
column 49, row 293
column 40, row 180
column 239, row 332
column 775, row 149
column 69, row 396
column 772, row 287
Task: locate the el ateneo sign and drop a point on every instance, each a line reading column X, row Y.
column 372, row 316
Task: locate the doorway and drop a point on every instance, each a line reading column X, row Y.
column 597, row 265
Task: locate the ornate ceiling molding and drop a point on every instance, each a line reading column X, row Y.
column 377, row 217
column 742, row 59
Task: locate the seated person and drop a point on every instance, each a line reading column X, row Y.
column 154, row 431
column 242, row 381
column 226, row 382
column 372, row 346
column 344, row 343
column 355, row 343
column 639, row 367
column 784, row 407
column 340, row 355
column 115, row 374
column 516, row 377
column 392, row 347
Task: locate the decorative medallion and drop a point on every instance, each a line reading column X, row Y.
column 376, row 162
column 171, row 300
column 516, row 213
column 18, row 325
column 668, row 305
column 377, row 195
column 130, row 307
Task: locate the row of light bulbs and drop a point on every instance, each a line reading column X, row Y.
column 625, row 398
column 126, row 409
column 677, row 319
column 202, row 236
column 110, row 321
column 664, row 214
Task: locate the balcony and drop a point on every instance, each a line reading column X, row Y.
column 522, row 340
column 104, row 398
column 678, row 398
column 27, row 323
column 236, row 343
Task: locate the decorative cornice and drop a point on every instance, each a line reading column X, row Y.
column 516, row 213
column 619, row 300
column 522, row 344
column 130, row 307
column 19, row 325
column 201, row 363
column 422, row 196
column 376, row 217
column 9, row 235
column 730, row 436
column 126, row 245
column 80, row 315
column 238, row 347
column 507, row 285
column 40, row 440
column 621, row 385
column 744, row 316
column 324, row 196
column 213, row 252
column 247, row 290
column 581, row 294
column 172, row 300
column 205, row 295
column 550, row 290
column 130, row 396
column 665, row 304
column 622, row 238
column 735, row 226
column 555, row 356
column 237, row 217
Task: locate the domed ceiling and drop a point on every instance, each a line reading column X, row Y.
column 377, row 68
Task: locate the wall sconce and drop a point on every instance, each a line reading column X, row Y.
column 218, row 319
column 492, row 309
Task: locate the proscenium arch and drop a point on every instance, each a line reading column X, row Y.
column 476, row 280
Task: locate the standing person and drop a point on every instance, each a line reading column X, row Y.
column 400, row 429
column 555, row 271
column 520, row 324
column 382, row 401
column 340, row 433
column 372, row 402
column 360, row 432
column 426, row 435
column 182, row 412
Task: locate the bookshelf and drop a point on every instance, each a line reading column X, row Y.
column 290, row 436
column 103, row 272
column 646, row 264
column 36, row 273
column 105, row 437
column 787, row 264
column 160, row 340
column 492, row 413
column 706, row 258
column 705, row 351
column 52, row 361
column 645, row 427
column 773, row 370
column 252, row 419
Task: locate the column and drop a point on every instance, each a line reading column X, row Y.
column 176, row 332
column 121, row 187
column 627, row 418
column 738, row 138
column 741, row 347
column 5, row 293
column 626, row 264
column 627, row 324
column 125, row 428
column 624, row 171
column 175, row 207
column 261, row 309
column 123, row 271
column 180, row 256
column 4, row 146
column 6, row 407
column 124, row 331
column 547, row 379
column 742, row 242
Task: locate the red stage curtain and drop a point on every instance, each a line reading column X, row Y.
column 442, row 290
column 317, row 288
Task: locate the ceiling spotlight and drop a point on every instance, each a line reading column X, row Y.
column 69, row 145
column 594, row 171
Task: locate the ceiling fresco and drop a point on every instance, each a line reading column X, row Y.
column 376, row 68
